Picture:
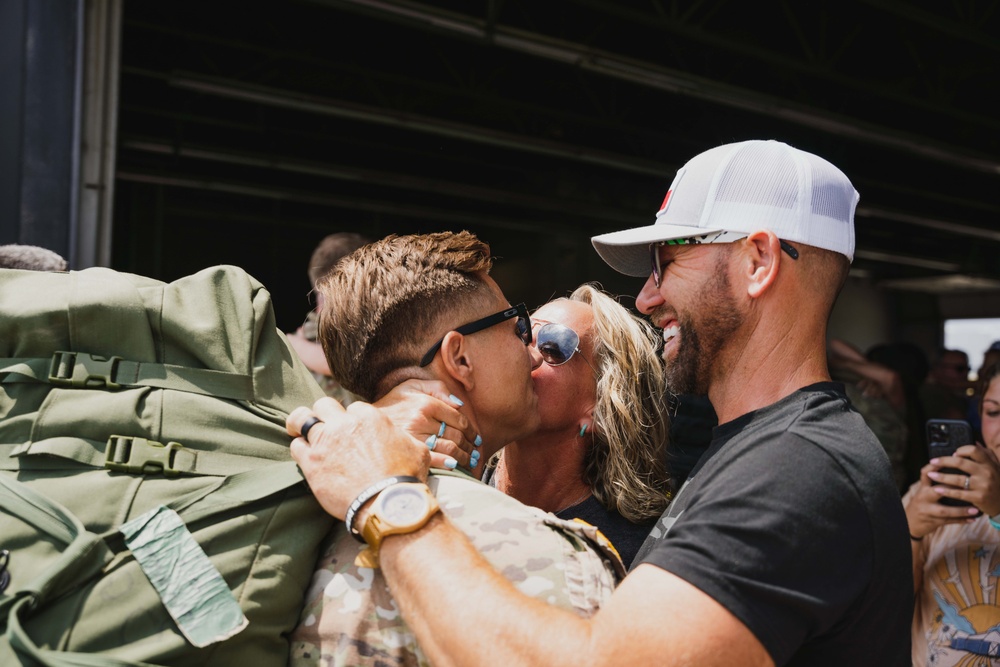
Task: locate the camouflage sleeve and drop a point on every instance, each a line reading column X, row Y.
column 350, row 617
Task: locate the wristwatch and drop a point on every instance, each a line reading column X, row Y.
column 401, row 508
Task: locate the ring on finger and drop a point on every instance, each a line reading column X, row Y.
column 307, row 426
column 966, row 483
column 441, row 430
column 431, row 441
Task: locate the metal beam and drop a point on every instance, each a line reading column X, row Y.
column 92, row 237
column 674, row 81
column 288, row 99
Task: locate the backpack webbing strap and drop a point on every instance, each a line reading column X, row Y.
column 238, row 490
column 84, row 554
column 23, row 646
column 130, row 454
column 87, row 553
column 81, row 370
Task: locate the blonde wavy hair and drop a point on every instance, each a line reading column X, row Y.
column 626, row 462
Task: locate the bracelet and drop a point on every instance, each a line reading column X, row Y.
column 920, row 539
column 368, row 494
column 994, row 522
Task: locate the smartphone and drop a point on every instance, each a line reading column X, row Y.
column 944, row 436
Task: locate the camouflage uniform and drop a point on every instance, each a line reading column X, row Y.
column 350, row 617
column 887, row 424
column 332, row 388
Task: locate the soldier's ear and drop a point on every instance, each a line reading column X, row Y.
column 456, row 360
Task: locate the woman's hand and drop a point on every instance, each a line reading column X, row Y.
column 429, row 413
column 982, row 485
column 924, row 512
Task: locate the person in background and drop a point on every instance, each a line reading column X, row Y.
column 876, row 391
column 956, row 549
column 692, row 419
column 944, row 392
column 30, row 257
column 990, row 356
column 325, row 256
column 600, row 451
column 786, row 545
column 911, row 366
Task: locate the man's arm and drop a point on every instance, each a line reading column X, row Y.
column 889, row 383
column 310, row 352
column 461, row 610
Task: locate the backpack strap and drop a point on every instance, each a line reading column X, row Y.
column 239, row 490
column 21, row 646
column 130, row 454
column 82, row 370
column 86, row 553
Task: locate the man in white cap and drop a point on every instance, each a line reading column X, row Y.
column 787, row 545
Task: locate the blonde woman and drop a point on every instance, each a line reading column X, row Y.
column 600, row 451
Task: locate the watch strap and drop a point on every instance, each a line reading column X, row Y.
column 373, row 530
column 368, row 494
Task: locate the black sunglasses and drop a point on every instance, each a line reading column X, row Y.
column 656, row 264
column 557, row 344
column 522, row 328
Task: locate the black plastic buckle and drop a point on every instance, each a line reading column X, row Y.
column 139, row 455
column 83, row 371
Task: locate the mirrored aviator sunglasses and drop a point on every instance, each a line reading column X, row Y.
column 557, row 344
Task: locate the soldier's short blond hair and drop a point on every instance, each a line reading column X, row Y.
column 382, row 301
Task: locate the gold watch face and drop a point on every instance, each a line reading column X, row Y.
column 403, row 505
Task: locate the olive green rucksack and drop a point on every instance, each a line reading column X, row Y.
column 149, row 509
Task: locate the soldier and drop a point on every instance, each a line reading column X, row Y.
column 430, row 298
column 325, row 256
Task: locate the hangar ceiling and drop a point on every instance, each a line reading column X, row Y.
column 249, row 130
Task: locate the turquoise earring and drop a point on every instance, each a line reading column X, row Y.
column 583, row 429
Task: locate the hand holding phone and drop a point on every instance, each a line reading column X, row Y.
column 944, row 436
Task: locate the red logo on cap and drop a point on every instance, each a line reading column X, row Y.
column 666, row 199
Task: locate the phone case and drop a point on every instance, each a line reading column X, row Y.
column 944, row 436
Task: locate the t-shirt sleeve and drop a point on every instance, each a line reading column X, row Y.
column 773, row 537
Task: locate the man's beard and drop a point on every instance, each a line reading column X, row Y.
column 690, row 372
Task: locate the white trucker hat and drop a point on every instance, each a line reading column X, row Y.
column 744, row 187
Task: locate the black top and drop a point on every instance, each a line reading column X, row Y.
column 626, row 536
column 692, row 419
column 791, row 521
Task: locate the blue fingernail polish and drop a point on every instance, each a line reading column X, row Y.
column 450, row 463
column 456, row 400
column 478, row 441
column 441, row 430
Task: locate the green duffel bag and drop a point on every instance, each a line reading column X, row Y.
column 150, row 512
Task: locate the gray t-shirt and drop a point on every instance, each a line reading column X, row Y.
column 792, row 522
